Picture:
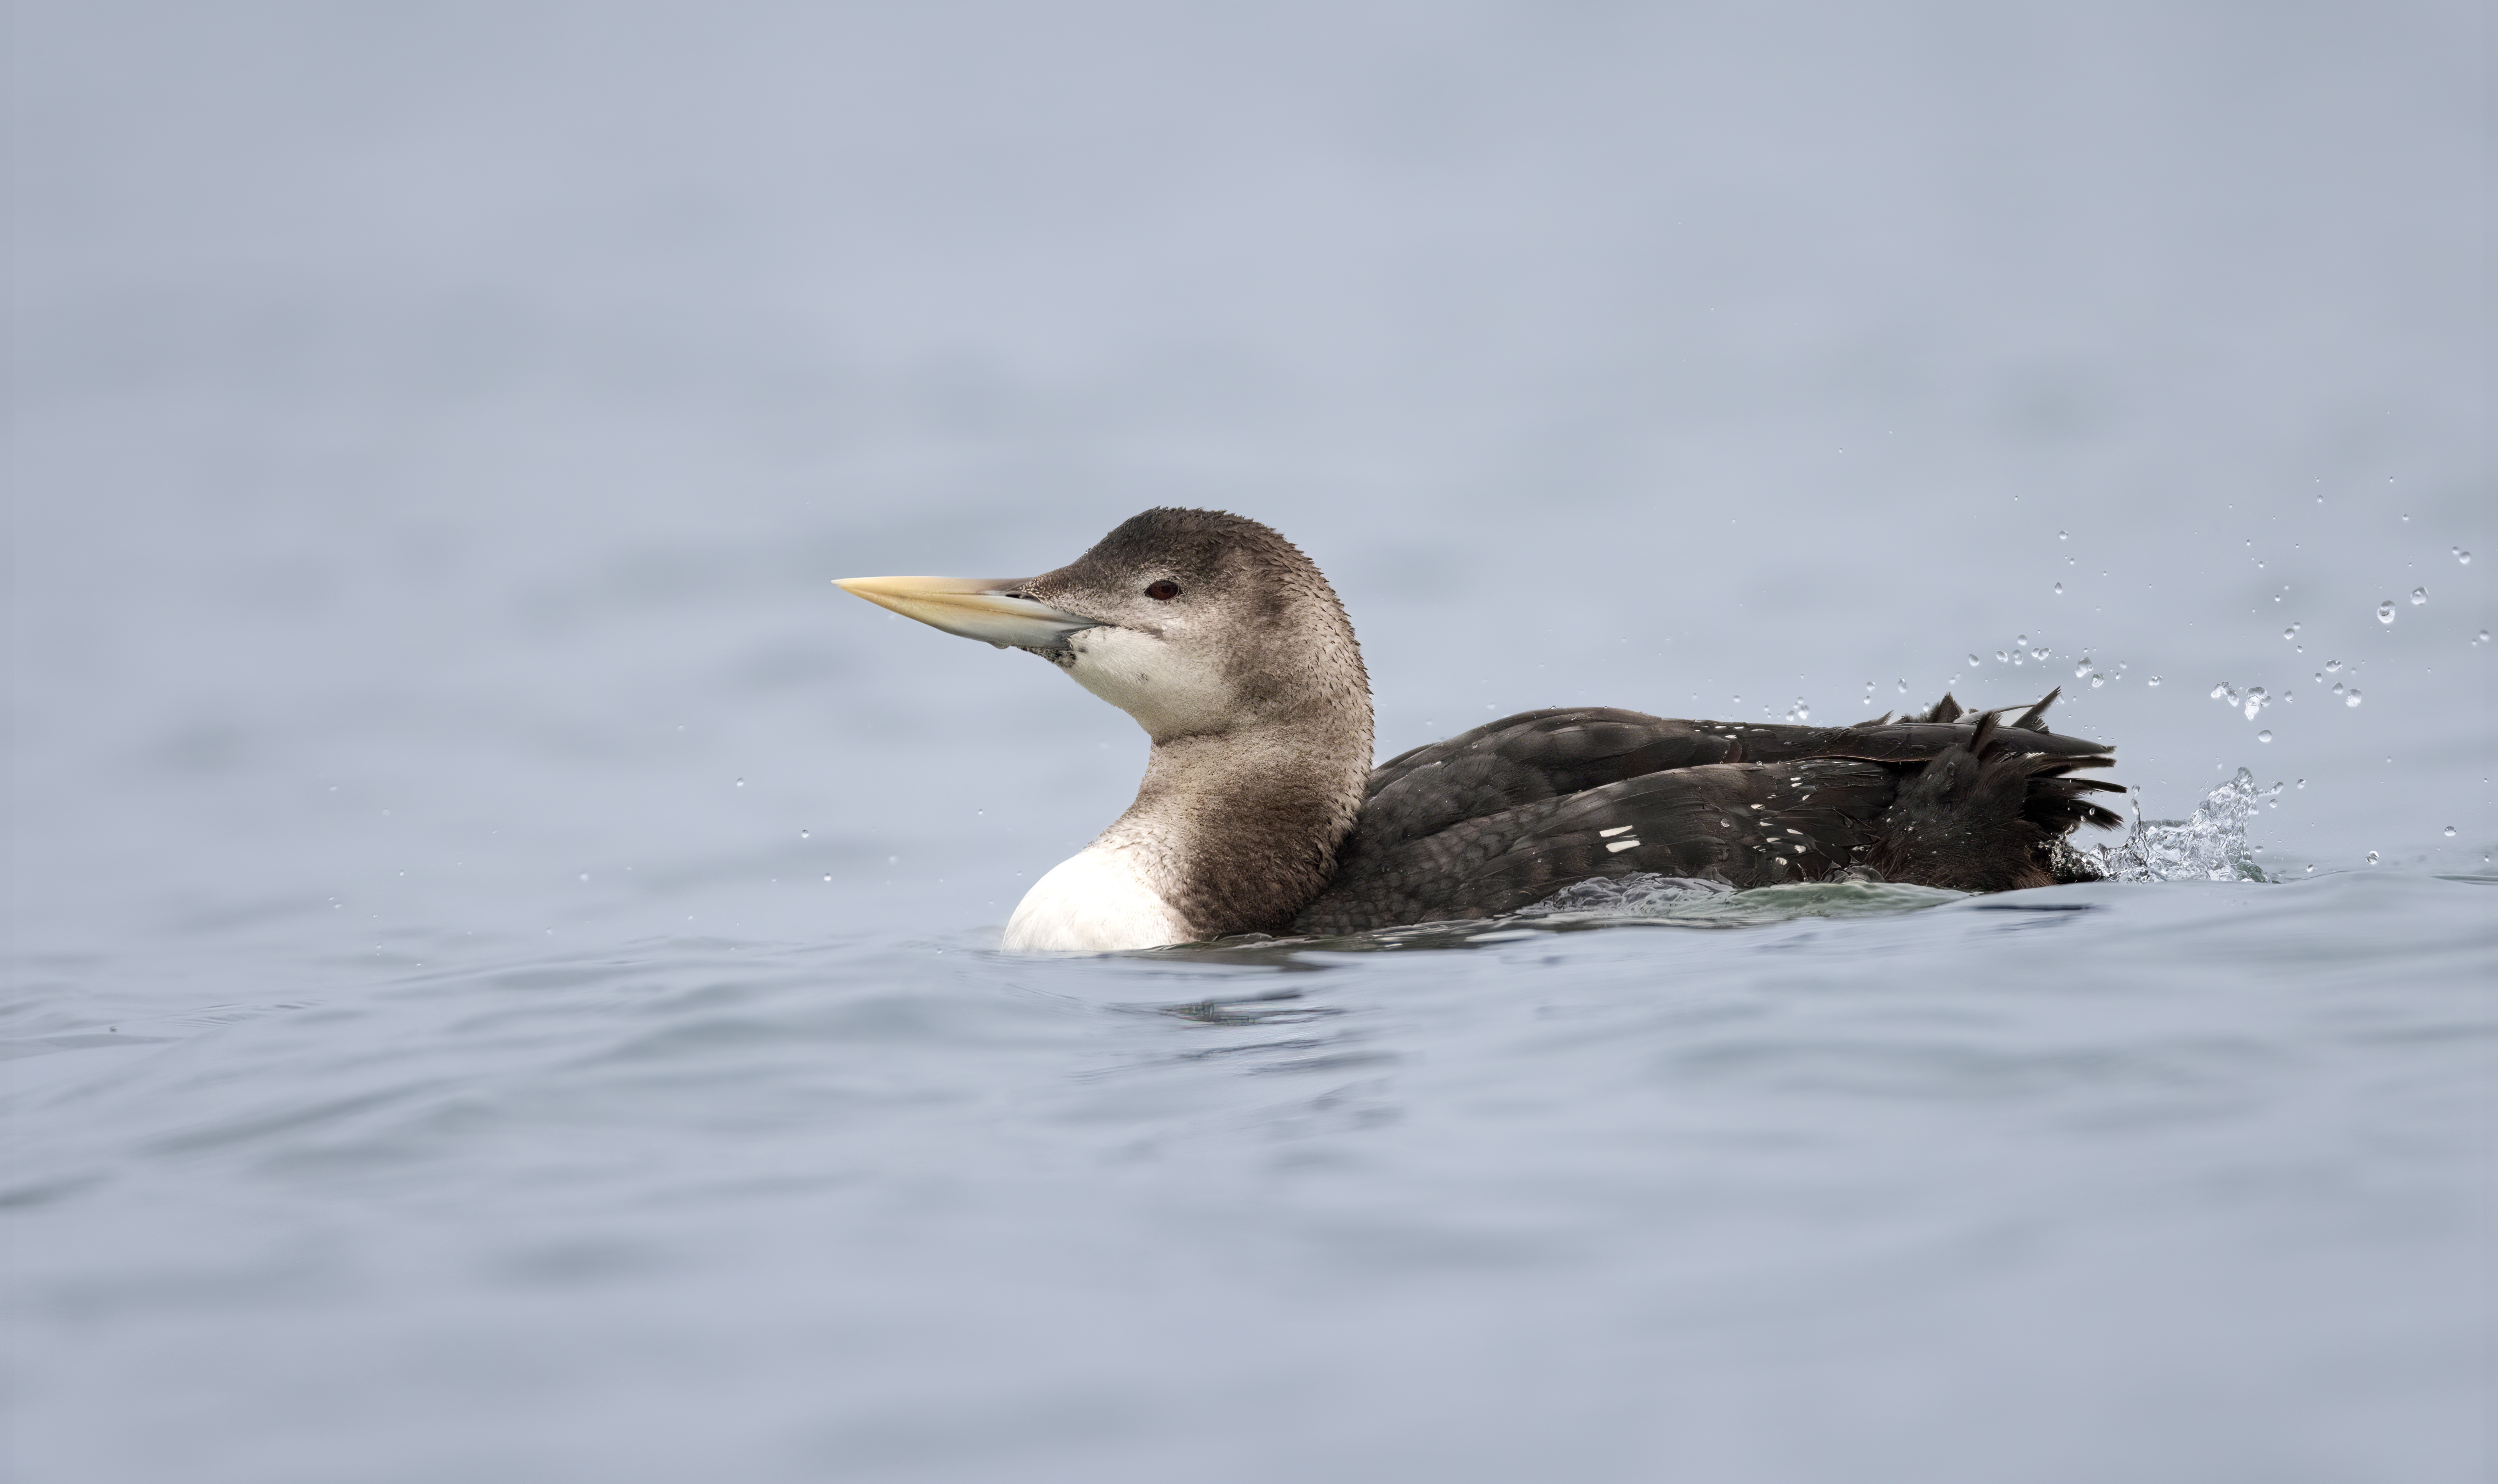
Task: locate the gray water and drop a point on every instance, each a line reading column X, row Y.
column 502, row 973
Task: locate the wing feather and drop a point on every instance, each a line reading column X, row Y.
column 1501, row 816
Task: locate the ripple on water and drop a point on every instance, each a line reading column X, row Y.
column 1875, row 1130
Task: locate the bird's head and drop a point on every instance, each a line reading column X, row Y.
column 1195, row 622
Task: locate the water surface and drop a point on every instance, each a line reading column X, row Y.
column 2173, row 1181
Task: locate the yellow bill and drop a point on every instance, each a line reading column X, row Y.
column 973, row 608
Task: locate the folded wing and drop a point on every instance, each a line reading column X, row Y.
column 1501, row 817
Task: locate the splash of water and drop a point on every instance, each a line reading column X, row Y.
column 2211, row 847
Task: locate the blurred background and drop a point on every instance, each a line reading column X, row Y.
column 435, row 427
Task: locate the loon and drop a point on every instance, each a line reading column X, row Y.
column 1260, row 811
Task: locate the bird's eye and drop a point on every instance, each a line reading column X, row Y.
column 1162, row 591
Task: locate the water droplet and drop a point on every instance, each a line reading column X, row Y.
column 2449, row 831
column 802, row 835
column 2265, row 735
column 2060, row 589
column 2097, row 681
column 2385, row 612
column 2060, row 536
column 741, row 783
column 2350, row 697
column 2083, row 668
column 2291, row 632
column 2419, row 595
column 1973, row 659
column 2021, row 640
column 1904, row 688
column 2221, row 692
column 2372, row 855
column 828, row 875
column 2154, row 682
column 2332, row 665
column 2000, row 656
column 2464, row 557
column 2039, row 652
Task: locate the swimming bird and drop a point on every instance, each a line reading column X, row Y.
column 1260, row 812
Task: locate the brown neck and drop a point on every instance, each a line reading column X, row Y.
column 1242, row 829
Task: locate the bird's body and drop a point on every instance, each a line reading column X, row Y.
column 1260, row 811
column 1503, row 816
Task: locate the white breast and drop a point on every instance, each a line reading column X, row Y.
column 1095, row 901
